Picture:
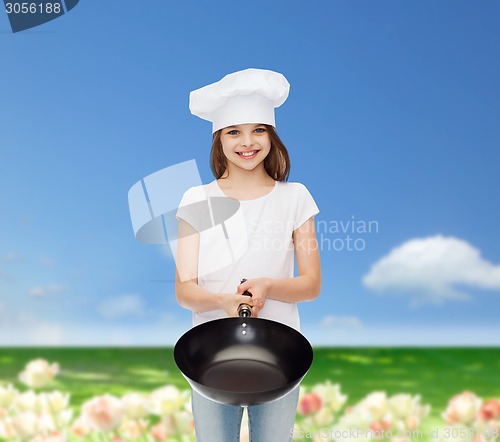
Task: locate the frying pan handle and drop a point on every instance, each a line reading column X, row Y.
column 245, row 310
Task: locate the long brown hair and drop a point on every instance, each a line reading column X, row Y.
column 276, row 164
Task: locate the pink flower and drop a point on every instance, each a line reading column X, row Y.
column 53, row 437
column 159, row 432
column 490, row 410
column 309, row 403
column 103, row 413
column 80, row 427
column 378, row 426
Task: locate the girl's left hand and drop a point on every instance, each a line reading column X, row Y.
column 259, row 288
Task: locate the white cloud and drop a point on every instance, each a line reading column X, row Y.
column 26, row 328
column 48, row 289
column 12, row 257
column 331, row 321
column 335, row 329
column 121, row 306
column 4, row 276
column 47, row 262
column 429, row 269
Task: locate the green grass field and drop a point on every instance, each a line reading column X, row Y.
column 435, row 373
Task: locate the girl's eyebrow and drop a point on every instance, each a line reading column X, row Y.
column 237, row 127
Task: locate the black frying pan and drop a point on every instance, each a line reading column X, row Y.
column 244, row 360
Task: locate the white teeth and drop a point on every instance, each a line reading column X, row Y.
column 247, row 154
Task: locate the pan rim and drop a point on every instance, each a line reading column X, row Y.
column 238, row 320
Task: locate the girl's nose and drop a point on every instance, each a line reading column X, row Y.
column 247, row 140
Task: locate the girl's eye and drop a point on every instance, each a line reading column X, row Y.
column 233, row 132
column 260, row 130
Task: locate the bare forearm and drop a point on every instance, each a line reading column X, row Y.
column 298, row 289
column 195, row 298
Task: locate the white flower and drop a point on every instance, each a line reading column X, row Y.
column 50, row 422
column 184, row 422
column 55, row 401
column 134, row 428
column 7, row 395
column 401, row 405
column 355, row 417
column 25, row 425
column 27, row 401
column 324, row 417
column 167, row 400
column 408, row 411
column 412, row 422
column 38, row 373
column 103, row 413
column 135, row 405
column 330, row 395
column 6, row 428
column 462, row 408
column 46, row 423
column 376, row 404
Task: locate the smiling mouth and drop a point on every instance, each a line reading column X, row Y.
column 248, row 155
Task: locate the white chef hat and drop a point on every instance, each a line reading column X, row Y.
column 247, row 96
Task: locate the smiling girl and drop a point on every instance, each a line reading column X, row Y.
column 251, row 166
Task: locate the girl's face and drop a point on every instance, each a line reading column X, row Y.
column 245, row 145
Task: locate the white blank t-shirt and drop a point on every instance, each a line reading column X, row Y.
column 256, row 242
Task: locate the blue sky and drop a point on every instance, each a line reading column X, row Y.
column 392, row 118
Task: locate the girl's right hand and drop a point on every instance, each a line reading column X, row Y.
column 231, row 301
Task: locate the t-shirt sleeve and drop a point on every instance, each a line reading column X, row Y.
column 190, row 207
column 306, row 206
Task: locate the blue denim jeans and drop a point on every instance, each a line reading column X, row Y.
column 269, row 422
